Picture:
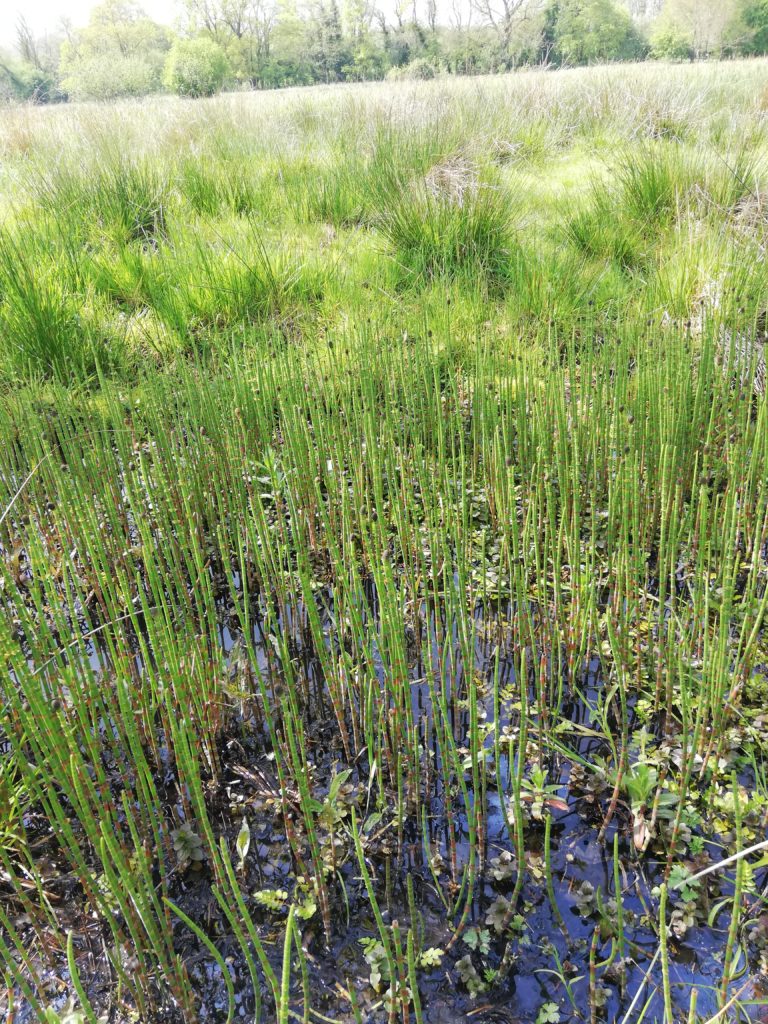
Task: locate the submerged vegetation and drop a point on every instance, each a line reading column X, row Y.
column 383, row 553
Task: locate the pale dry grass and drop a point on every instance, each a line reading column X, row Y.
column 717, row 101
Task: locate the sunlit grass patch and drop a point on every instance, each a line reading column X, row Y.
column 124, row 199
column 216, row 187
column 451, row 223
column 51, row 323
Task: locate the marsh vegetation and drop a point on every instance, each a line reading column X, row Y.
column 383, row 553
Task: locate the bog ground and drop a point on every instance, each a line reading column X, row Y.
column 383, row 553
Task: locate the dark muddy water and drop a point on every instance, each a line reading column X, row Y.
column 545, row 958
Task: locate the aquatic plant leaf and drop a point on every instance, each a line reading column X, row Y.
column 503, row 866
column 468, row 974
column 272, row 899
column 549, row 1013
column 307, row 909
column 601, row 997
column 640, row 784
column 371, row 822
column 376, row 956
column 431, row 957
column 478, row 938
column 678, row 877
column 188, row 845
column 243, row 843
column 336, row 783
column 585, row 899
column 497, row 914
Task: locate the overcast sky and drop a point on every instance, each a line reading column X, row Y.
column 45, row 15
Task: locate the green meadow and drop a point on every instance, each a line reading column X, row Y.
column 384, row 553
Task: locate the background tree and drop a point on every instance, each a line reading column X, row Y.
column 274, row 43
column 329, row 53
column 548, row 37
column 196, row 67
column 643, row 12
column 589, row 31
column 242, row 28
column 706, row 25
column 367, row 60
column 121, row 52
column 504, row 17
column 669, row 43
column 357, row 18
column 755, row 20
column 32, row 74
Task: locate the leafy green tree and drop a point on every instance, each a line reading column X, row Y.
column 35, row 76
column 196, row 67
column 368, row 62
column 670, row 44
column 503, row 16
column 20, row 80
column 548, row 39
column 121, row 52
column 289, row 60
column 356, row 16
column 14, row 84
column 397, row 45
column 755, row 19
column 588, row 31
column 243, row 28
column 644, row 11
column 330, row 53
column 706, row 25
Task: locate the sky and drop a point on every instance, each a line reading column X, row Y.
column 45, row 15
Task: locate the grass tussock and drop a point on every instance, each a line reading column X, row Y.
column 450, row 224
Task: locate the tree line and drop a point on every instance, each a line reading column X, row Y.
column 265, row 44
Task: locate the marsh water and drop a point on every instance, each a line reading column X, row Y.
column 563, row 957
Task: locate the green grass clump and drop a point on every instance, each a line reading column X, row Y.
column 123, row 199
column 203, row 281
column 452, row 229
column 213, row 188
column 601, row 233
column 51, row 327
column 655, row 184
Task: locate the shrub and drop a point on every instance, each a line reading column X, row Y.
column 669, row 44
column 195, row 67
column 588, row 31
column 419, row 70
column 24, row 81
column 119, row 53
column 107, row 76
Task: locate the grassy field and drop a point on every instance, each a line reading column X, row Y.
column 384, row 553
